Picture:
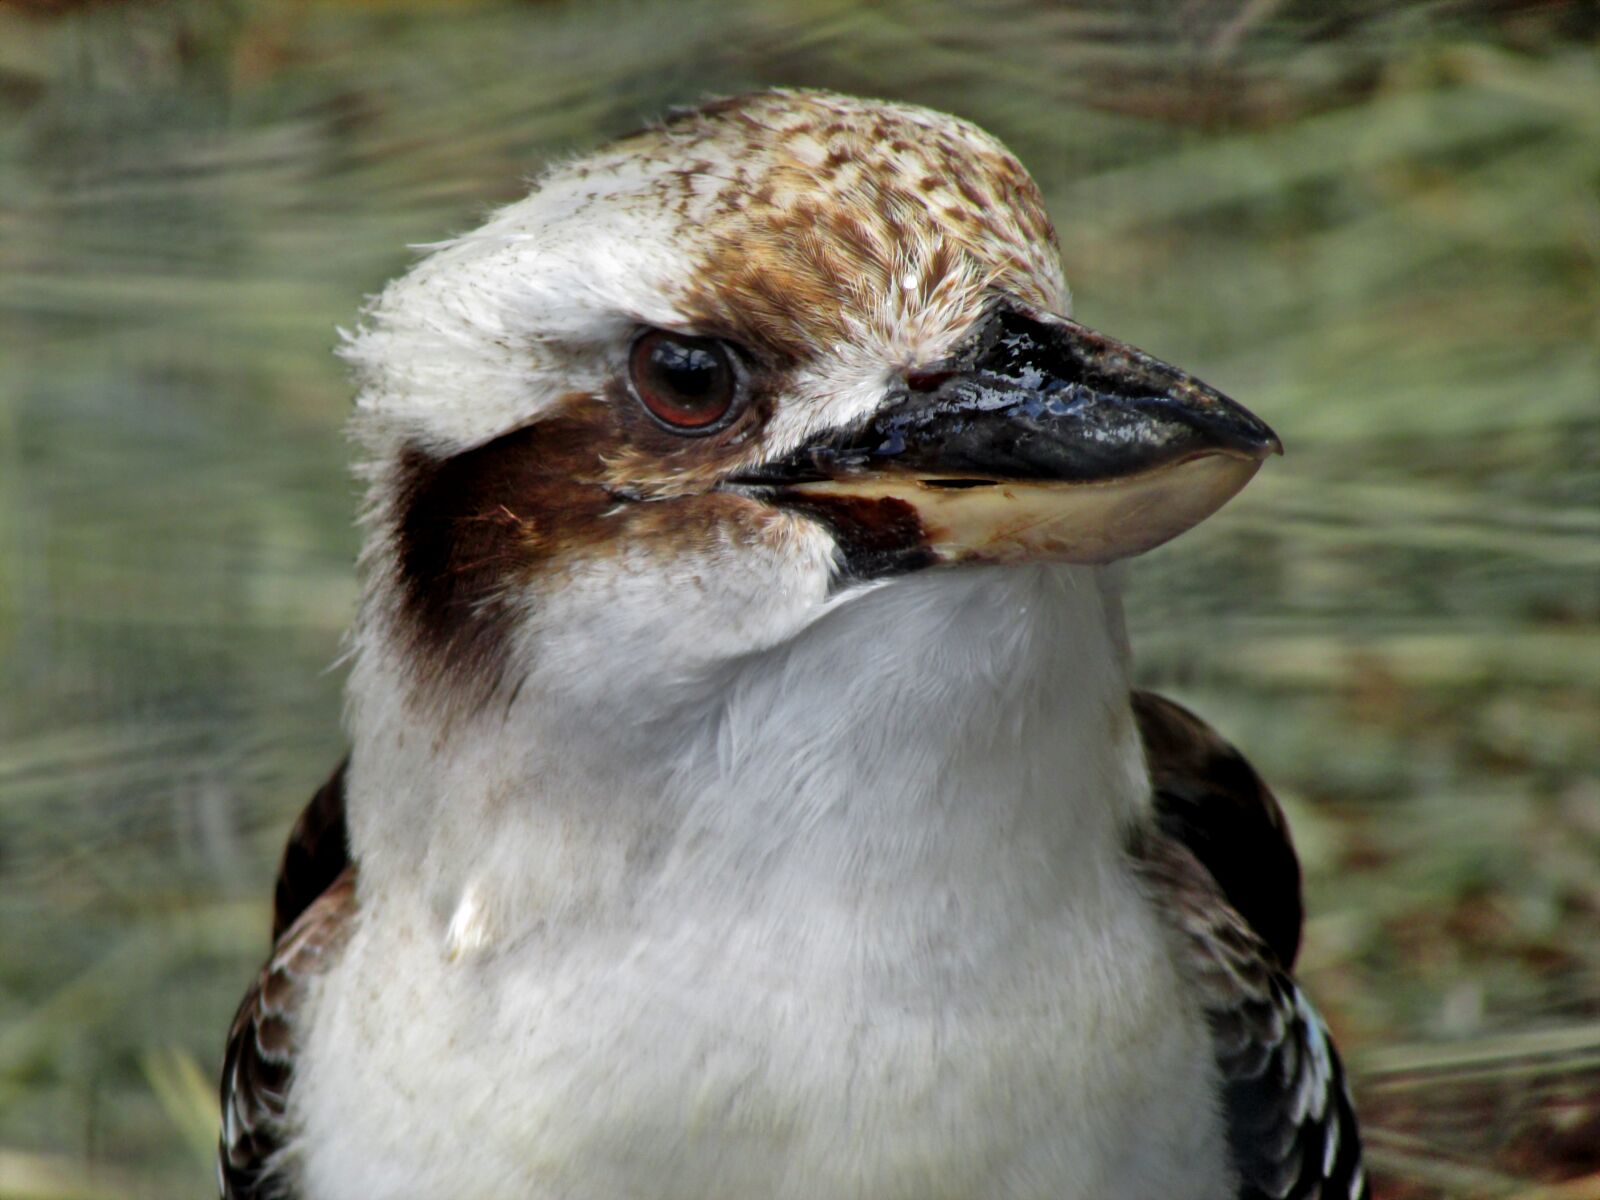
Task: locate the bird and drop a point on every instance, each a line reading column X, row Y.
column 747, row 791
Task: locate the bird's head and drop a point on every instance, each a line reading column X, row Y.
column 724, row 375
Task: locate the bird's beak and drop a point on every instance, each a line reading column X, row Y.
column 1044, row 441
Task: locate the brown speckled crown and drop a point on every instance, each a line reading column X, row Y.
column 828, row 217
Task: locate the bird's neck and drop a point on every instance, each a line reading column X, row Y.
column 960, row 737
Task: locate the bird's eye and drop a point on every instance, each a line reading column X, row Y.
column 689, row 384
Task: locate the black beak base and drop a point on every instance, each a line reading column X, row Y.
column 1035, row 400
column 1041, row 441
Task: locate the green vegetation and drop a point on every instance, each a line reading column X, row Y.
column 1377, row 224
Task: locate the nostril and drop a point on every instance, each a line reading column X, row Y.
column 926, row 381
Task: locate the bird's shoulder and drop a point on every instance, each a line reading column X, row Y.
column 313, row 909
column 1220, row 865
column 317, row 853
column 1209, row 798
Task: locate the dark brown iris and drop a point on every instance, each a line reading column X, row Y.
column 689, row 384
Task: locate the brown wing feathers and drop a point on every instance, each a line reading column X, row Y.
column 313, row 907
column 317, row 853
column 1222, row 869
column 1212, row 801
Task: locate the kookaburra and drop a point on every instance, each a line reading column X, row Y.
column 747, row 798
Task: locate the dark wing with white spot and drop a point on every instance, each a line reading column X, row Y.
column 315, row 904
column 1220, row 866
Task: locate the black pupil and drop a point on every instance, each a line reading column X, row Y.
column 688, row 372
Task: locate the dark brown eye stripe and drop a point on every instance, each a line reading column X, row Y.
column 475, row 532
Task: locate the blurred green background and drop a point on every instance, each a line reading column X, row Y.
column 1376, row 223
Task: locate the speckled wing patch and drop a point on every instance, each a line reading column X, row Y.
column 1291, row 1125
column 259, row 1063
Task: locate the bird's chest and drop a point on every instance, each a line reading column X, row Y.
column 762, row 1057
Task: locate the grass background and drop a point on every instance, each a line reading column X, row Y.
column 1376, row 223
